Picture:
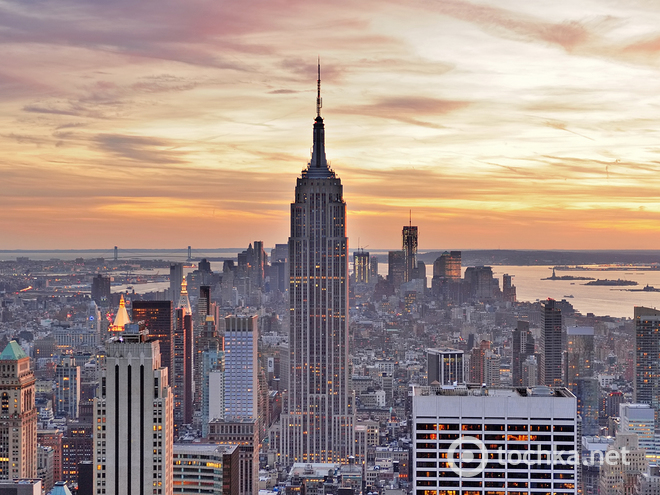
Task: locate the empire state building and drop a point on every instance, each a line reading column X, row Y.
column 318, row 426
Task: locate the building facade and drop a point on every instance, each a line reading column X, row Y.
column 18, row 415
column 551, row 348
column 133, row 418
column 317, row 426
column 504, row 423
column 445, row 366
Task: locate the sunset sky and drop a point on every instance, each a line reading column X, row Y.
column 162, row 124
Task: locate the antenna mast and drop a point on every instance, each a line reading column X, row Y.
column 319, row 102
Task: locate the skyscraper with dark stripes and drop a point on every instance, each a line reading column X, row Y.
column 133, row 418
column 318, row 426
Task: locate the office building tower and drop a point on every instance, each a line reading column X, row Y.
column 67, row 388
column 21, row 487
column 409, row 238
column 579, row 376
column 176, row 277
column 157, row 317
column 647, row 364
column 279, row 253
column 485, row 365
column 448, row 266
column 54, row 439
column 579, row 355
column 241, row 381
column 361, row 267
column 513, row 420
column 317, row 426
column 204, row 468
column 241, row 367
column 483, row 286
column 246, row 435
column 445, row 366
column 77, row 447
column 530, row 372
column 101, row 290
column 204, row 266
column 396, row 268
column 522, row 346
column 18, row 415
column 260, row 261
column 203, row 310
column 550, row 346
column 640, row 420
column 621, row 474
column 508, row 289
column 373, row 268
column 182, row 361
column 45, row 467
column 133, row 442
column 212, row 385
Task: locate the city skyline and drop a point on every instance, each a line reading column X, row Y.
column 501, row 124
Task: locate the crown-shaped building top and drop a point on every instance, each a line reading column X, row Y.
column 184, row 300
column 122, row 319
column 318, row 165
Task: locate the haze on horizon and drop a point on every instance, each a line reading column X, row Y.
column 508, row 124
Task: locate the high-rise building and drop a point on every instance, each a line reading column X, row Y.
column 410, row 241
column 448, row 266
column 159, row 322
column 621, row 474
column 77, row 446
column 647, row 364
column 579, row 376
column 396, row 268
column 203, row 468
column 53, row 438
column 508, row 289
column 522, row 346
column 176, row 277
column 317, row 426
column 639, row 419
column 241, row 367
column 67, row 388
column 241, row 383
column 18, row 416
column 203, row 310
column 445, row 366
column 361, row 267
column 373, row 268
column 483, row 286
column 101, row 290
column 485, row 365
column 550, row 346
column 507, row 423
column 579, row 356
column 182, row 361
column 134, row 437
column 530, row 372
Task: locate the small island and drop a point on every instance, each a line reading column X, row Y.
column 566, row 277
column 607, row 282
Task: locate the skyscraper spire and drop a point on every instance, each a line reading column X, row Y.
column 319, row 102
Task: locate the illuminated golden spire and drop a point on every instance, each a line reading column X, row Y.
column 122, row 317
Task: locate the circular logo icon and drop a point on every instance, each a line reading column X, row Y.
column 466, row 447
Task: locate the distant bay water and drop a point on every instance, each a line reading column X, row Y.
column 600, row 300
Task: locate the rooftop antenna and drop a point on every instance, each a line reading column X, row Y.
column 410, row 224
column 319, row 102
